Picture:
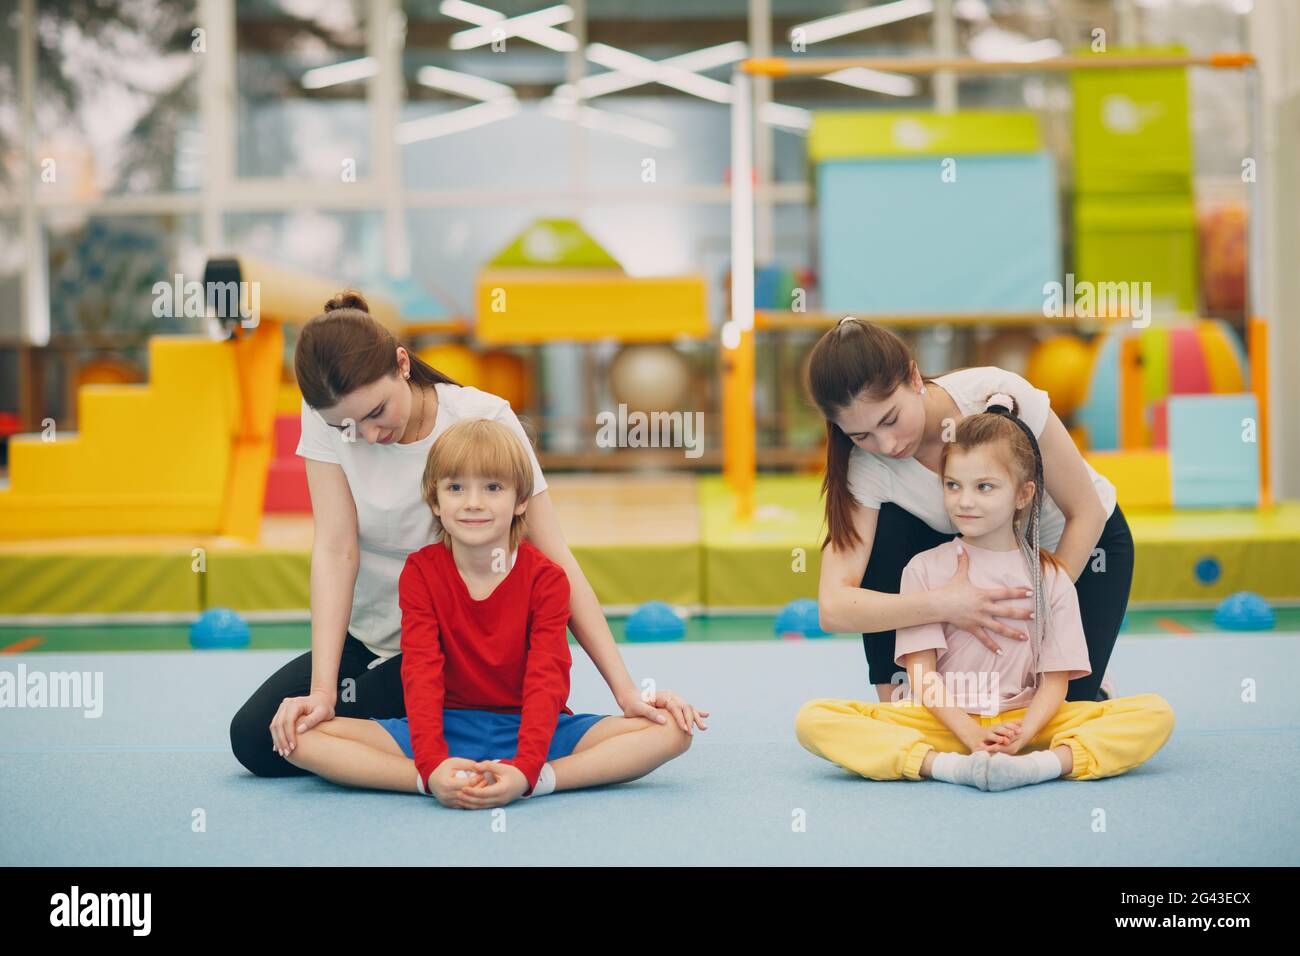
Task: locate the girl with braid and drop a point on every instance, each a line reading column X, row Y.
column 996, row 718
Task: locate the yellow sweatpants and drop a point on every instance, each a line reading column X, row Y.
column 889, row 741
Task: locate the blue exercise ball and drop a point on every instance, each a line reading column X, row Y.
column 219, row 627
column 655, row 621
column 1244, row 611
column 799, row 618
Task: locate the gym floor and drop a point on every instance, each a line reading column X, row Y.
column 152, row 781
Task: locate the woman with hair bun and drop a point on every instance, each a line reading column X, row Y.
column 371, row 410
column 886, row 427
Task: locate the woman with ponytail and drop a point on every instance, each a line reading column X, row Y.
column 371, row 411
column 991, row 720
column 887, row 429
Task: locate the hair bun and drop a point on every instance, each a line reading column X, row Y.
column 348, row 299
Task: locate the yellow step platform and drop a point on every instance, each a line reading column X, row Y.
column 185, row 453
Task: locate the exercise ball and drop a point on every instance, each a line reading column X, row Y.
column 1059, row 366
column 455, row 361
column 799, row 618
column 219, row 627
column 654, row 621
column 1244, row 611
column 506, row 375
column 650, row 378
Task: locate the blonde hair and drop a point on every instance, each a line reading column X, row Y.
column 480, row 448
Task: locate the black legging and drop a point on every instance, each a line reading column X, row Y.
column 1103, row 597
column 377, row 693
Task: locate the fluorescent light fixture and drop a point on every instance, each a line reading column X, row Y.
column 895, row 84
column 537, row 27
column 855, row 21
column 696, row 61
column 794, row 118
column 993, row 43
column 462, row 84
column 457, row 121
column 628, row 127
column 348, row 71
column 650, row 71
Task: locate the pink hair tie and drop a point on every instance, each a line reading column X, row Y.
column 1000, row 398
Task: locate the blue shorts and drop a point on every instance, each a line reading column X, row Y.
column 483, row 735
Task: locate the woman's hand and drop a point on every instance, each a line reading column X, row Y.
column 297, row 715
column 976, row 609
column 508, row 786
column 638, row 705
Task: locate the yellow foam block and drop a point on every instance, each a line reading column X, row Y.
column 1142, row 479
column 148, row 458
column 518, row 306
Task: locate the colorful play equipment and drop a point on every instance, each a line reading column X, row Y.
column 1135, row 371
column 1123, row 95
column 1133, row 205
column 187, row 453
column 553, row 283
column 1214, row 451
column 933, row 212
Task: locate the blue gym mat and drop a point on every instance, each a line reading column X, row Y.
column 125, row 788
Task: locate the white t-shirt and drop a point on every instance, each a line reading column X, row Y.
column 874, row 479
column 392, row 517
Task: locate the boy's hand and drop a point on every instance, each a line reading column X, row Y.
column 445, row 783
column 509, row 785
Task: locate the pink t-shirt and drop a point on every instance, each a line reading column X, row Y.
column 976, row 679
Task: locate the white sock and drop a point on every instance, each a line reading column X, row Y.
column 1007, row 772
column 545, row 782
column 968, row 769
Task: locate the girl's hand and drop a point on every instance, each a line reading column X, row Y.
column 509, row 785
column 1003, row 738
column 451, row 777
column 976, row 609
column 681, row 711
column 297, row 715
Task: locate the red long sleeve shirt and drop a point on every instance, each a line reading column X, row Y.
column 508, row 653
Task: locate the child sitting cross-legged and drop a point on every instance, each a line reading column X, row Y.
column 993, row 721
column 485, row 657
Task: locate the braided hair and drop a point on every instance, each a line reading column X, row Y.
column 1027, row 536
